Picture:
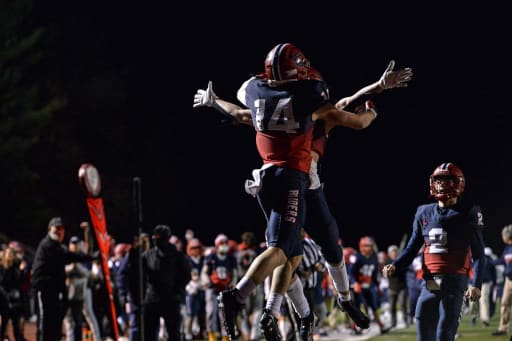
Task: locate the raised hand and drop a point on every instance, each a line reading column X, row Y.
column 205, row 97
column 395, row 79
column 389, row 270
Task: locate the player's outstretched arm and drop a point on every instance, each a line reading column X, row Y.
column 390, row 79
column 363, row 117
column 207, row 97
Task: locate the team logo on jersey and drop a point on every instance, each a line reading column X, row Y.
column 480, row 219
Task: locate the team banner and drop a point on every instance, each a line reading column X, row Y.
column 90, row 181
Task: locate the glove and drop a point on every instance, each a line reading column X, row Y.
column 395, row 79
column 205, row 97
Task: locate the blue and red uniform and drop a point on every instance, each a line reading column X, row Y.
column 364, row 270
column 451, row 235
column 320, row 223
column 284, row 130
column 220, row 270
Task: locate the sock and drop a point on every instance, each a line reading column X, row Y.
column 340, row 278
column 274, row 303
column 296, row 294
column 245, row 286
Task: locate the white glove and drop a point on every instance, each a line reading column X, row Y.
column 205, row 97
column 395, row 79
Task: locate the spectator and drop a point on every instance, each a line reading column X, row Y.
column 77, row 277
column 11, row 305
column 25, row 263
column 129, row 270
column 166, row 273
column 49, row 280
column 506, row 299
column 397, row 290
column 488, row 283
column 114, row 264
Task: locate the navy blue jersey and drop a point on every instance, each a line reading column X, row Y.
column 220, row 270
column 506, row 260
column 195, row 264
column 282, row 118
column 451, row 236
column 364, row 269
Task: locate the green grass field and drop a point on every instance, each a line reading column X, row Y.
column 466, row 331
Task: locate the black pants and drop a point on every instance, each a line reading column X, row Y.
column 13, row 314
column 398, row 296
column 75, row 308
column 170, row 312
column 50, row 313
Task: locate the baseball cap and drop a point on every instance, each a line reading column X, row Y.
column 162, row 231
column 74, row 240
column 55, row 221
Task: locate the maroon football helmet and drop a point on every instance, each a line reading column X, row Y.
column 314, row 74
column 452, row 187
column 286, row 62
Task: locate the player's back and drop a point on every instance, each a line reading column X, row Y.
column 282, row 119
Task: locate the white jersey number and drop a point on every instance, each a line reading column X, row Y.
column 438, row 240
column 282, row 118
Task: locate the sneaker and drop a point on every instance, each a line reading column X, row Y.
column 269, row 328
column 499, row 333
column 384, row 330
column 306, row 327
column 229, row 308
column 360, row 319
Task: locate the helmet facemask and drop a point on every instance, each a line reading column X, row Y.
column 446, row 182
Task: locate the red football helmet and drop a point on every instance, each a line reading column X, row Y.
column 314, row 74
column 444, row 190
column 286, row 62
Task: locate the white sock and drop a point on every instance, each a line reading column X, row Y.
column 245, row 286
column 296, row 294
column 274, row 302
column 340, row 278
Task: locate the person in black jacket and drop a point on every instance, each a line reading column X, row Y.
column 166, row 273
column 12, row 274
column 48, row 280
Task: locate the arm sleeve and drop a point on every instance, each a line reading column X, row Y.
column 477, row 248
column 413, row 246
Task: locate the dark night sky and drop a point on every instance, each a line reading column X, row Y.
column 192, row 167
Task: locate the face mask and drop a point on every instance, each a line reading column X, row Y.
column 224, row 248
column 159, row 242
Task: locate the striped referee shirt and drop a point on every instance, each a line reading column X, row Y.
column 311, row 256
